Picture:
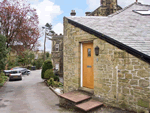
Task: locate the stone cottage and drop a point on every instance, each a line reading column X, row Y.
column 57, row 53
column 110, row 56
column 107, row 7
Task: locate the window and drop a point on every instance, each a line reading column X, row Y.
column 57, row 66
column 142, row 12
column 89, row 52
column 57, row 47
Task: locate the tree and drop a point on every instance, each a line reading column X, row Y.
column 3, row 52
column 47, row 55
column 26, row 57
column 49, row 32
column 19, row 24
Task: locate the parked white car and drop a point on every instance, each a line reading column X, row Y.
column 15, row 74
column 7, row 72
column 23, row 70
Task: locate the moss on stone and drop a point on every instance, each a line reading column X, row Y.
column 143, row 103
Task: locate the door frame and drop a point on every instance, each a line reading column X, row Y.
column 81, row 58
column 81, row 76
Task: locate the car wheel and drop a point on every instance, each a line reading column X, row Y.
column 20, row 78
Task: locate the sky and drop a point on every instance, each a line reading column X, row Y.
column 53, row 11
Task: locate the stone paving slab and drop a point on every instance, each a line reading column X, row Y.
column 75, row 96
column 89, row 105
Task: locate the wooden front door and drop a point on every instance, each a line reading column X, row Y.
column 88, row 76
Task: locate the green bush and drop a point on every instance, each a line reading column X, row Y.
column 38, row 63
column 50, row 82
column 48, row 74
column 3, row 74
column 3, row 78
column 46, row 65
column 57, row 84
column 56, row 78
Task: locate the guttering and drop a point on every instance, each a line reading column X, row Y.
column 108, row 39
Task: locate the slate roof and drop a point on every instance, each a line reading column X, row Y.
column 124, row 26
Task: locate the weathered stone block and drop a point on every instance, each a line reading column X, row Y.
column 106, row 88
column 135, row 63
column 120, row 75
column 136, row 77
column 125, row 71
column 128, row 76
column 124, row 80
column 121, row 67
column 129, row 67
column 143, row 73
column 138, row 67
column 134, row 82
column 143, row 83
column 125, row 91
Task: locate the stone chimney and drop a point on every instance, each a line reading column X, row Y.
column 73, row 13
column 87, row 13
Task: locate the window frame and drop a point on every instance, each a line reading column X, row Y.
column 57, row 47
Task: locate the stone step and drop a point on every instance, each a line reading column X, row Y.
column 75, row 96
column 89, row 105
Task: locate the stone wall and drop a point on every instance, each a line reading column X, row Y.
column 120, row 79
column 57, row 55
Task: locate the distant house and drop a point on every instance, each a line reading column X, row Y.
column 110, row 56
column 57, row 53
column 107, row 7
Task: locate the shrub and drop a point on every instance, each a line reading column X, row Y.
column 46, row 65
column 57, row 84
column 3, row 78
column 50, row 82
column 56, row 78
column 2, row 74
column 48, row 74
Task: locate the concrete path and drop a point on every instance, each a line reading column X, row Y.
column 30, row 95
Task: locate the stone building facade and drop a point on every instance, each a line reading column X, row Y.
column 107, row 7
column 57, row 53
column 121, row 73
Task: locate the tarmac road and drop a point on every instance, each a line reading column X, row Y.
column 30, row 95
